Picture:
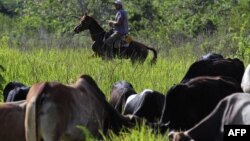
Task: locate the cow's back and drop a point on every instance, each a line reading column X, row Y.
column 12, row 121
column 60, row 109
column 221, row 67
column 11, row 86
column 148, row 104
column 186, row 104
column 18, row 93
column 211, row 56
column 121, row 90
column 232, row 110
column 63, row 108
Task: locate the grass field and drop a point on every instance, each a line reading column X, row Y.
column 65, row 65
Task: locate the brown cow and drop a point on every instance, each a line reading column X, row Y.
column 12, row 121
column 55, row 110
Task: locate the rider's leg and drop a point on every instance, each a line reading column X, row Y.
column 109, row 44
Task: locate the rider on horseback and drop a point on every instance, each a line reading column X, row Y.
column 120, row 27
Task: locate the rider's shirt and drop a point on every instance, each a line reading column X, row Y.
column 123, row 27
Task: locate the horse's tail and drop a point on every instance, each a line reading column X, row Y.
column 153, row 61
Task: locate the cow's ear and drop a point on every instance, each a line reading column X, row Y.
column 86, row 13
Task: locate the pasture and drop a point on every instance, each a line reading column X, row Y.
column 65, row 65
column 35, row 46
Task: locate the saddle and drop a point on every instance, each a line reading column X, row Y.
column 124, row 42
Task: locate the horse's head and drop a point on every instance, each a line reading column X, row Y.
column 84, row 24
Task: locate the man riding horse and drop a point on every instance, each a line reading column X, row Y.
column 109, row 47
column 120, row 26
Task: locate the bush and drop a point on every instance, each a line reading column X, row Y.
column 2, row 80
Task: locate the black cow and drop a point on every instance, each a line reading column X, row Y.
column 221, row 67
column 232, row 110
column 15, row 91
column 17, row 94
column 147, row 104
column 211, row 56
column 188, row 103
column 120, row 92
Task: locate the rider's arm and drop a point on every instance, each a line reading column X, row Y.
column 118, row 21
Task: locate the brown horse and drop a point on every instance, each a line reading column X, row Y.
column 135, row 51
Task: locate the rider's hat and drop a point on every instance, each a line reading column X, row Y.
column 118, row 2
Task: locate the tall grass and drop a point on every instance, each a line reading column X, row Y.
column 65, row 65
column 139, row 133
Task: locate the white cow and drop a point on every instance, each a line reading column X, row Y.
column 245, row 83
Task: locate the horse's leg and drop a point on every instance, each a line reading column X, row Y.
column 134, row 56
column 139, row 53
column 133, row 53
column 110, row 44
column 97, row 48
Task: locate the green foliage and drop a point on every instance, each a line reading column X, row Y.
column 2, row 80
column 4, row 41
column 241, row 32
column 163, row 24
column 6, row 25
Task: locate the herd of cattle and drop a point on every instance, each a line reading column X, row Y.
column 212, row 93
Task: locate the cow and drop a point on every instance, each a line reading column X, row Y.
column 245, row 83
column 54, row 111
column 18, row 93
column 188, row 103
column 148, row 105
column 12, row 116
column 220, row 67
column 212, row 56
column 232, row 110
column 15, row 91
column 121, row 90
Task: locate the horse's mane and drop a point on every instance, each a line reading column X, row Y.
column 94, row 22
column 96, row 31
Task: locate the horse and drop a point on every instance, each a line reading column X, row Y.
column 136, row 51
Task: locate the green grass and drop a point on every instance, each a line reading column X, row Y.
column 65, row 65
column 142, row 133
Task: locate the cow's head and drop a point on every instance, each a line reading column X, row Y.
column 84, row 24
column 179, row 136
